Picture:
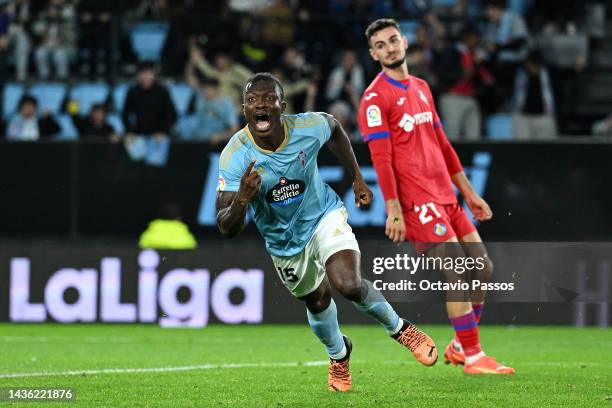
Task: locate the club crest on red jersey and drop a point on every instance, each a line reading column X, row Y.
column 423, row 97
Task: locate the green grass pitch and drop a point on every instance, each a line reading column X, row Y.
column 189, row 367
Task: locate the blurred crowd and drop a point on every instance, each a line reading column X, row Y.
column 500, row 69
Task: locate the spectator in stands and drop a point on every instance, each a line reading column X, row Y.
column 55, row 28
column 96, row 125
column 343, row 114
column 533, row 101
column 507, row 40
column 277, row 26
column 230, row 74
column 18, row 37
column 431, row 35
column 418, row 65
column 5, row 20
column 148, row 109
column 294, row 65
column 462, row 72
column 248, row 6
column 506, row 33
column 346, row 81
column 217, row 119
column 296, row 70
column 94, row 36
column 26, row 125
column 299, row 95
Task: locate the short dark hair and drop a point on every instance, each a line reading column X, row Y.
column 267, row 77
column 469, row 29
column 501, row 4
column 27, row 99
column 98, row 105
column 146, row 66
column 380, row 24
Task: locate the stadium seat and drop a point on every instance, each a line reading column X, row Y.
column 443, row 3
column 119, row 93
column 115, row 121
column 181, row 95
column 408, row 28
column 68, row 130
column 88, row 94
column 10, row 98
column 499, row 127
column 148, row 40
column 49, row 95
column 186, row 126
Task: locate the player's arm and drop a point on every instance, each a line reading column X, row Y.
column 477, row 204
column 340, row 144
column 479, row 207
column 232, row 206
column 375, row 132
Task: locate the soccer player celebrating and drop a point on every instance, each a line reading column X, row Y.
column 271, row 166
column 416, row 167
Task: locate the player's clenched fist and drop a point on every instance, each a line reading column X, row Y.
column 363, row 194
column 249, row 184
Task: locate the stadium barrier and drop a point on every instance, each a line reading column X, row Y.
column 538, row 192
column 235, row 282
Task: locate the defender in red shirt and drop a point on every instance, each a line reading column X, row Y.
column 416, row 168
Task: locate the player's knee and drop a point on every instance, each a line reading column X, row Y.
column 486, row 272
column 351, row 289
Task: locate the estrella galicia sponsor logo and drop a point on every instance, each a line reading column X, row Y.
column 286, row 192
column 440, row 229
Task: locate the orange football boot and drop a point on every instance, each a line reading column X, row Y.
column 338, row 374
column 454, row 354
column 487, row 365
column 420, row 344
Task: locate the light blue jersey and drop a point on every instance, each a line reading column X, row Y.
column 292, row 198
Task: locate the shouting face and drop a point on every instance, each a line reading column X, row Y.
column 263, row 106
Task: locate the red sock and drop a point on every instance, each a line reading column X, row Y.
column 466, row 330
column 477, row 308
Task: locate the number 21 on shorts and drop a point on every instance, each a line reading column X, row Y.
column 425, row 211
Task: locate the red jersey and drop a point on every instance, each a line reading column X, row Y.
column 412, row 156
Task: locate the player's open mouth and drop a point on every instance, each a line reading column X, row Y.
column 262, row 121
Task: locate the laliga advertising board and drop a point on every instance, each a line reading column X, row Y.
column 174, row 289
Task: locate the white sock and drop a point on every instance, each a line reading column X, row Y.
column 474, row 358
column 399, row 326
column 341, row 354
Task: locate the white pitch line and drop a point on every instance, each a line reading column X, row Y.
column 45, row 339
column 162, row 369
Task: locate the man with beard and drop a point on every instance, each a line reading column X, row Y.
column 416, row 166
